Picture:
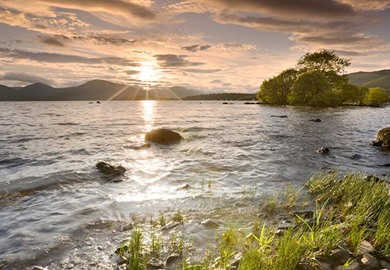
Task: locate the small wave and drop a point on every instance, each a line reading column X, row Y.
column 26, row 186
column 13, row 162
column 66, row 124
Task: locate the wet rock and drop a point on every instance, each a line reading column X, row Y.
column 209, row 223
column 183, row 187
column 284, row 226
column 110, row 169
column 225, row 103
column 356, row 156
column 323, row 150
column 376, row 143
column 352, row 266
column 317, row 120
column 365, row 247
column 121, row 260
column 163, row 136
column 369, row 262
column 155, row 263
column 174, row 261
column 324, row 265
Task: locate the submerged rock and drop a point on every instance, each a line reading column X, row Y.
column 323, row 150
column 209, row 223
column 163, row 136
column 110, row 169
column 317, row 120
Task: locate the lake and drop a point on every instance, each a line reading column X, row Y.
column 57, row 210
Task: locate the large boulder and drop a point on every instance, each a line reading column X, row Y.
column 163, row 136
column 382, row 137
column 110, row 169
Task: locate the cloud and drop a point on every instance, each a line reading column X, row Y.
column 64, row 58
column 368, row 5
column 113, row 6
column 195, row 70
column 172, row 60
column 24, row 77
column 195, row 48
column 296, row 8
column 51, row 41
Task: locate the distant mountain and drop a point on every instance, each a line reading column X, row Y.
column 379, row 78
column 223, row 96
column 7, row 93
column 92, row 90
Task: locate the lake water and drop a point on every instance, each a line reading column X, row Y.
column 57, row 210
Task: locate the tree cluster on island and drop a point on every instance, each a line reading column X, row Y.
column 318, row 80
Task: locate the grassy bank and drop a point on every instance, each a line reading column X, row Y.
column 348, row 210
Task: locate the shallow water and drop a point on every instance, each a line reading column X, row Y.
column 55, row 204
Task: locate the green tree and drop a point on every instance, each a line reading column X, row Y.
column 376, row 96
column 328, row 63
column 309, row 88
column 277, row 89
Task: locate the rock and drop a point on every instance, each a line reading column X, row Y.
column 235, row 261
column 39, row 268
column 110, row 169
column 376, row 143
column 174, row 261
column 225, row 103
column 356, row 156
column 383, row 135
column 98, row 102
column 369, row 262
column 317, row 120
column 209, row 223
column 170, row 226
column 155, row 263
column 365, row 247
column 163, row 136
column 352, row 266
column 323, row 150
column 339, row 256
column 183, row 187
column 304, row 265
column 385, row 265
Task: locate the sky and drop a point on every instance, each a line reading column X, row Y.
column 210, row 45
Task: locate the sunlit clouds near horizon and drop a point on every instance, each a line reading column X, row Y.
column 216, row 46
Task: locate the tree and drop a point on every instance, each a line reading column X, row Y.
column 308, row 89
column 328, row 63
column 376, row 96
column 277, row 89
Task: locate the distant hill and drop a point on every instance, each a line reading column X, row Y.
column 379, row 78
column 92, row 90
column 7, row 93
column 223, row 96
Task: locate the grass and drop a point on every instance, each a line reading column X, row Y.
column 348, row 210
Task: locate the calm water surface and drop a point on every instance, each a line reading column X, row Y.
column 57, row 210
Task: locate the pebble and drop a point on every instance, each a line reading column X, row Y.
column 370, row 262
column 365, row 247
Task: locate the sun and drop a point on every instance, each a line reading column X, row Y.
column 148, row 72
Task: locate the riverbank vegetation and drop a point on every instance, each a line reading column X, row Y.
column 318, row 80
column 349, row 225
